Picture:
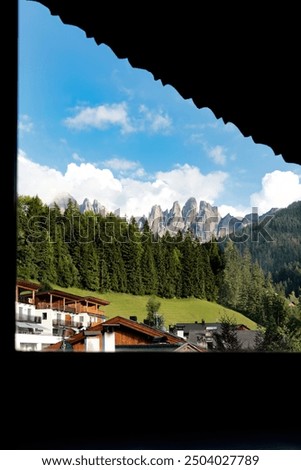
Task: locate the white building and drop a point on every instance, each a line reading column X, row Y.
column 44, row 318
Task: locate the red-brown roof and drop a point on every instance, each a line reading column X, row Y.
column 144, row 329
column 140, row 328
column 97, row 300
column 27, row 284
column 69, row 296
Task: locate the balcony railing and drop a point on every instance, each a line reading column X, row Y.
column 70, row 323
column 28, row 318
column 59, row 306
column 25, row 300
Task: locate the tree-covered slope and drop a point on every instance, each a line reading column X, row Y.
column 276, row 244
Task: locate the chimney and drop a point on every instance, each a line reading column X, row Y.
column 92, row 340
column 108, row 340
column 180, row 331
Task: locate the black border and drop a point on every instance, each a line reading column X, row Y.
column 134, row 401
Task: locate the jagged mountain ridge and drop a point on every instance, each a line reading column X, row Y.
column 203, row 219
column 62, row 199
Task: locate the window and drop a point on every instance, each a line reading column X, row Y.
column 20, row 310
column 81, row 318
column 44, row 315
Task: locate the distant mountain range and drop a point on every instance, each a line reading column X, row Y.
column 203, row 219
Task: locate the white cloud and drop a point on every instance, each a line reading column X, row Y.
column 84, row 180
column 279, row 189
column 121, row 164
column 33, row 179
column 206, row 125
column 217, row 154
column 135, row 196
column 187, row 181
column 101, row 117
column 196, row 138
column 77, row 158
column 131, row 195
column 140, row 172
column 25, row 123
column 104, row 116
column 237, row 211
column 125, row 168
column 178, row 184
column 155, row 121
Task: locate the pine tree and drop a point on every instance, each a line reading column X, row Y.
column 25, row 260
column 159, row 260
column 67, row 273
column 89, row 267
column 45, row 259
column 246, row 284
column 188, row 280
column 72, row 223
column 230, row 287
column 200, row 268
column 255, row 307
column 148, row 266
column 131, row 254
column 211, row 280
column 226, row 340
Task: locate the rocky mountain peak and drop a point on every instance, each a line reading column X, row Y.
column 202, row 219
column 189, row 209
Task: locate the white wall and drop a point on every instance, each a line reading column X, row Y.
column 92, row 343
column 24, row 342
column 109, row 341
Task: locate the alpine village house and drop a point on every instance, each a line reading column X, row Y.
column 53, row 320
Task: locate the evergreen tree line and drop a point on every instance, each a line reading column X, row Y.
column 110, row 254
column 277, row 248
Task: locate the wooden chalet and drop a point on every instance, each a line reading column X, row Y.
column 126, row 335
column 26, row 290
column 65, row 302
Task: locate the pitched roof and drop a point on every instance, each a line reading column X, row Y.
column 189, row 347
column 143, row 348
column 69, row 296
column 199, row 326
column 145, row 329
column 158, row 336
column 247, row 338
column 90, row 298
column 27, row 284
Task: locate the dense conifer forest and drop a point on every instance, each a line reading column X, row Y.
column 277, row 247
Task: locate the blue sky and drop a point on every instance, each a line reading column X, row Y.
column 92, row 126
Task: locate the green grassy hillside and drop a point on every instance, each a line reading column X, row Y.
column 174, row 310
